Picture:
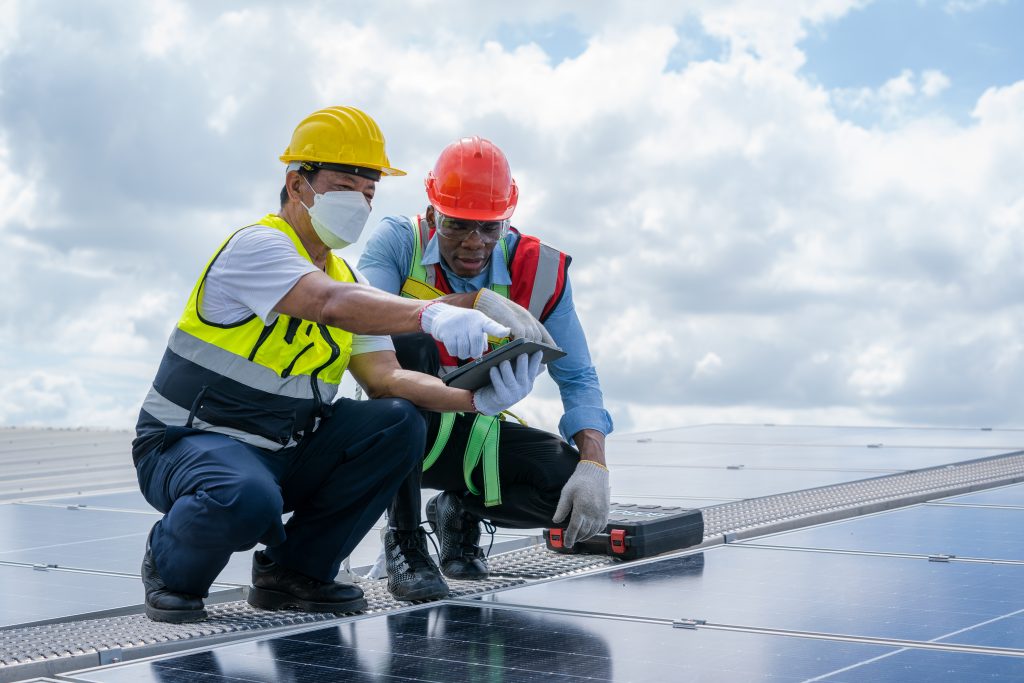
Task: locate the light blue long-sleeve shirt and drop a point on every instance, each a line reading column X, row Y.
column 385, row 263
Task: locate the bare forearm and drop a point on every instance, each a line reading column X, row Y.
column 357, row 308
column 362, row 309
column 426, row 391
column 590, row 443
column 464, row 300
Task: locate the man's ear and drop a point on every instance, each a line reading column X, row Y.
column 293, row 183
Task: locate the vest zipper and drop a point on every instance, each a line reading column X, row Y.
column 335, row 354
column 264, row 335
column 291, row 366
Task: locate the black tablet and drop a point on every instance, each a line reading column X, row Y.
column 474, row 375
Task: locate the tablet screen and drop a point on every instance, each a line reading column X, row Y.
column 474, row 375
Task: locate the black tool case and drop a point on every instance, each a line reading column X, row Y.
column 636, row 531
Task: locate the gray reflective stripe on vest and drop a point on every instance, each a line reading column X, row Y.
column 243, row 370
column 174, row 415
column 546, row 280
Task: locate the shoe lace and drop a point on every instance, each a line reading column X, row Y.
column 413, row 548
column 490, row 529
column 467, row 548
column 431, row 533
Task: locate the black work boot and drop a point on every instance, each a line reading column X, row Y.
column 412, row 574
column 163, row 604
column 276, row 587
column 458, row 532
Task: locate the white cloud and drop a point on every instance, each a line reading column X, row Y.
column 17, row 192
column 878, row 372
column 708, row 365
column 933, row 82
column 167, row 27
column 39, row 398
column 897, row 101
column 220, row 120
column 761, row 29
column 742, row 251
column 9, row 19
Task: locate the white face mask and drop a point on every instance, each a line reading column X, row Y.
column 338, row 217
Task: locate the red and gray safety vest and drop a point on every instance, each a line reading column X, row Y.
column 538, row 272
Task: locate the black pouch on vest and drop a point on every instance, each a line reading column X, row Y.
column 222, row 410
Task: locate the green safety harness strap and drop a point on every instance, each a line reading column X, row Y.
column 483, row 445
column 443, row 432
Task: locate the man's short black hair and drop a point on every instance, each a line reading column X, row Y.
column 308, row 174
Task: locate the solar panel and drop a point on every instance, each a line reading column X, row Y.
column 458, row 643
column 28, row 594
column 93, row 540
column 672, row 483
column 960, row 531
column 858, row 457
column 856, row 595
column 931, row 666
column 1003, row 440
column 127, row 500
column 468, row 643
column 1010, row 495
column 36, row 529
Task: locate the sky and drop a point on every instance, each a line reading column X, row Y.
column 808, row 212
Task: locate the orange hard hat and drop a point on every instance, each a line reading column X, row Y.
column 472, row 180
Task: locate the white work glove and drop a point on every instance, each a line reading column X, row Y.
column 587, row 494
column 508, row 387
column 463, row 331
column 513, row 316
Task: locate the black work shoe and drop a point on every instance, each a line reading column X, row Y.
column 163, row 604
column 276, row 587
column 458, row 532
column 412, row 574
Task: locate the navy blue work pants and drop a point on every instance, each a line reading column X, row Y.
column 220, row 495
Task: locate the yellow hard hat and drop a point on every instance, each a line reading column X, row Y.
column 340, row 136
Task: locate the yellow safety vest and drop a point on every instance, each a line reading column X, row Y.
column 266, row 385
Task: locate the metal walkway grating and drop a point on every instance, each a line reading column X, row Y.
column 783, row 511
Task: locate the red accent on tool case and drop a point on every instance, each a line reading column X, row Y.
column 636, row 531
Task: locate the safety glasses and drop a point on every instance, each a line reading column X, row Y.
column 458, row 229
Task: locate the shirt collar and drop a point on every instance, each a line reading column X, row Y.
column 497, row 269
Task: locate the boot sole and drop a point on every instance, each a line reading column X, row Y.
column 175, row 616
column 422, row 594
column 466, row 577
column 263, row 598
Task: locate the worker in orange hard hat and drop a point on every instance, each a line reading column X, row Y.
column 463, row 250
column 240, row 424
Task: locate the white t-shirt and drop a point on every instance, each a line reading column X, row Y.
column 254, row 272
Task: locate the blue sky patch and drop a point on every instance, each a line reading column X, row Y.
column 560, row 39
column 976, row 49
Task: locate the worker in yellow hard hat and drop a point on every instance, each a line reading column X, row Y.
column 241, row 423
